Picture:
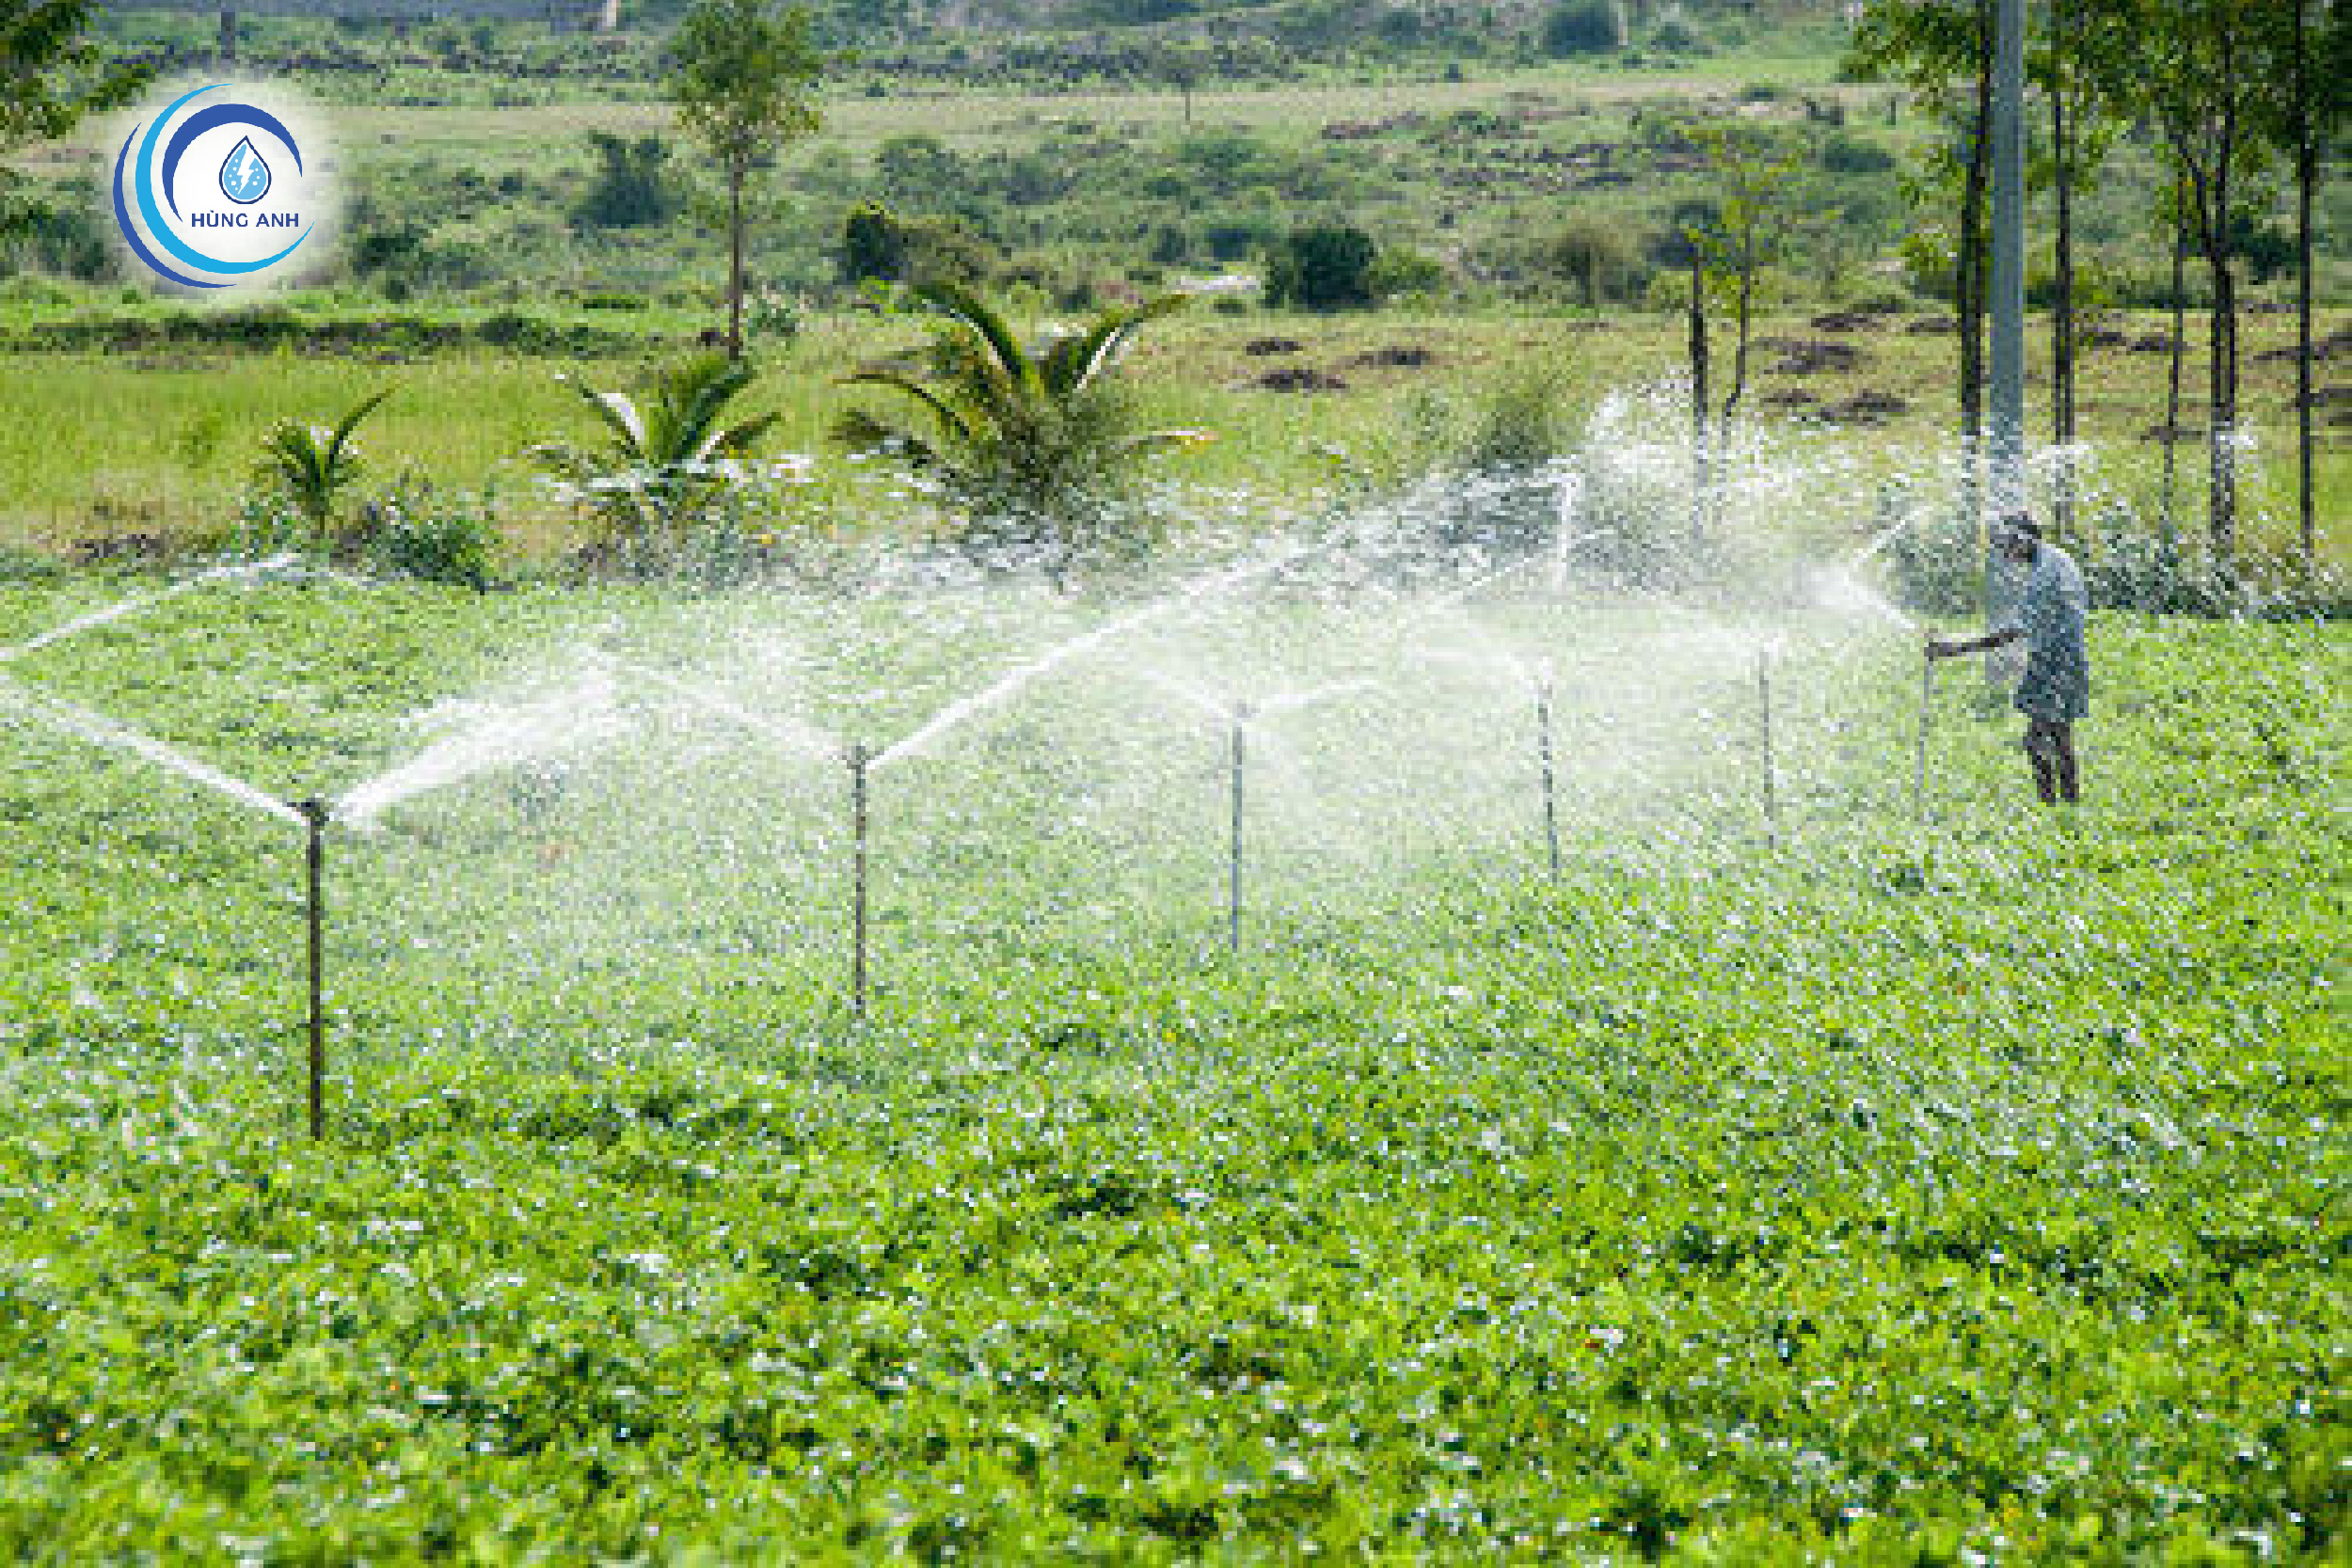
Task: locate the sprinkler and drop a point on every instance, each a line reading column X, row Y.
column 1542, row 762
column 1232, row 883
column 316, row 816
column 861, row 761
column 1927, row 718
column 1764, row 713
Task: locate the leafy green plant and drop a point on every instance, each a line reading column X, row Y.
column 420, row 532
column 312, row 466
column 666, row 457
column 1326, row 267
column 1028, row 447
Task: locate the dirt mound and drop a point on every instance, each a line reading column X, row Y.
column 1398, row 356
column 1299, row 378
column 1928, row 326
column 1845, row 321
column 1266, row 348
column 1809, row 355
column 1868, row 407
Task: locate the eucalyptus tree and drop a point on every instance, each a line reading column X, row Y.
column 2310, row 82
column 744, row 73
column 1732, row 239
column 1943, row 51
column 2074, row 66
column 2199, row 71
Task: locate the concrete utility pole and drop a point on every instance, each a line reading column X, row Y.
column 2008, row 261
column 227, row 38
column 2007, row 481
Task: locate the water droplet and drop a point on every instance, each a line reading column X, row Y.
column 245, row 177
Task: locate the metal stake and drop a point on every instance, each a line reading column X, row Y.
column 1764, row 710
column 860, row 758
column 1232, row 886
column 1542, row 757
column 315, row 814
column 1926, row 717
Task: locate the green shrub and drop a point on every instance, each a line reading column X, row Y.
column 632, row 188
column 418, row 532
column 1400, row 271
column 1327, row 267
column 1842, row 153
column 1581, row 28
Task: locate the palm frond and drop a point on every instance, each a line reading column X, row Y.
column 1073, row 363
column 618, row 412
column 962, row 305
column 952, row 423
column 340, row 436
column 737, row 439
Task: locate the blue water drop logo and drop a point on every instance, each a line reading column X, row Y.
column 245, row 177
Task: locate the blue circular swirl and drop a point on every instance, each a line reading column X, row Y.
column 144, row 184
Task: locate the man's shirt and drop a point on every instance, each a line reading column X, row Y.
column 2051, row 612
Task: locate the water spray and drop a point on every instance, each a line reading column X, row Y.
column 861, row 762
column 315, row 817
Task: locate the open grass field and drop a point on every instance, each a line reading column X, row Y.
column 162, row 441
column 1960, row 1193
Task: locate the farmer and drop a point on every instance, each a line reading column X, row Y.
column 2049, row 618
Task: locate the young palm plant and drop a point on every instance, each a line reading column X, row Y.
column 313, row 465
column 1028, row 447
column 664, row 462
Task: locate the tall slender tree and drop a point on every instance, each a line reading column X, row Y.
column 2309, row 46
column 2200, row 74
column 1943, row 50
column 744, row 73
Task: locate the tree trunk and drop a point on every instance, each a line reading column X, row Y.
column 2306, row 181
column 1700, row 478
column 735, row 264
column 2168, row 515
column 2222, row 427
column 1746, row 317
column 2062, row 307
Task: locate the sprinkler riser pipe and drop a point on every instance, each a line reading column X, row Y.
column 861, row 760
column 1234, row 869
column 1927, row 719
column 316, row 816
column 1543, row 757
column 1764, row 715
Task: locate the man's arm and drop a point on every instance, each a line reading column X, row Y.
column 1960, row 648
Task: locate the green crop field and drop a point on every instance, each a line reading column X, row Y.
column 1006, row 919
column 1901, row 1194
